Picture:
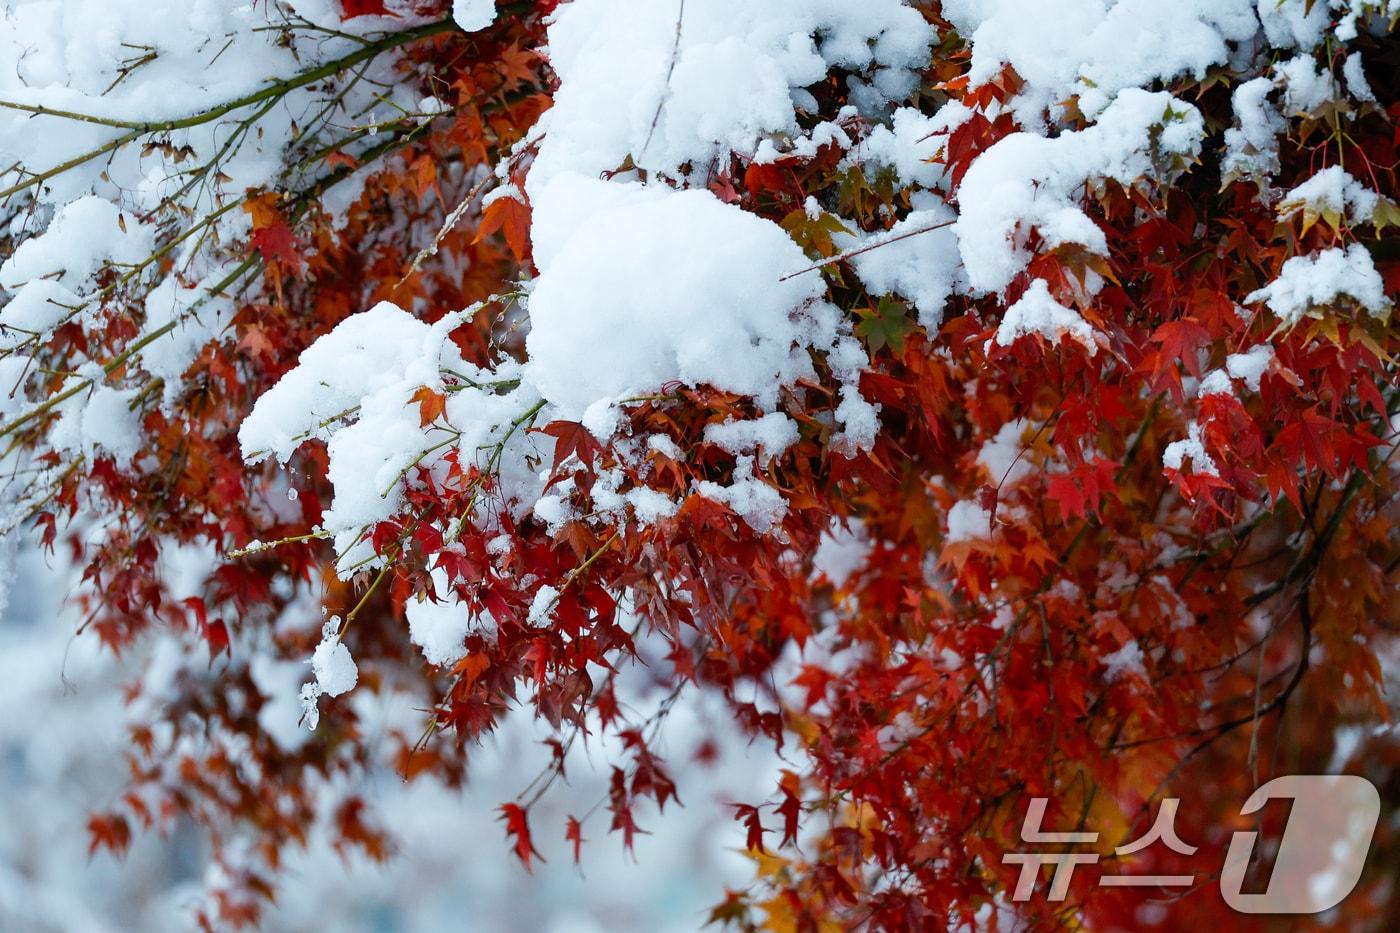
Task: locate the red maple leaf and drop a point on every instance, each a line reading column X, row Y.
column 354, row 8
column 518, row 825
column 277, row 244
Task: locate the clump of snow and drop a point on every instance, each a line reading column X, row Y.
column 37, row 308
column 1357, row 85
column 1306, row 283
column 1125, row 662
column 760, row 505
column 916, row 259
column 968, row 521
column 1251, row 146
column 354, row 388
column 439, row 628
column 1092, row 49
column 1305, row 88
column 473, row 15
column 1191, row 448
column 769, row 435
column 843, row 550
column 194, row 315
column 672, row 84
column 910, row 143
column 83, row 237
column 333, row 667
column 1333, row 193
column 1248, row 367
column 110, row 423
column 542, row 604
column 1036, row 312
column 334, row 671
column 1026, row 181
column 1294, row 23
column 1002, row 456
column 625, row 283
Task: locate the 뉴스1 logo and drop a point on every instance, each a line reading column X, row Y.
column 1319, row 860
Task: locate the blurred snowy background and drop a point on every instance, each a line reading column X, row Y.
column 62, row 740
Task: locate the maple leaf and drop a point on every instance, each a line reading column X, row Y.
column 517, row 66
column 571, row 438
column 510, row 215
column 108, row 831
column 1180, row 339
column 573, row 832
column 887, row 324
column 517, row 823
column 753, row 826
column 431, row 405
column 353, row 8
column 276, row 244
column 791, row 807
column 256, row 343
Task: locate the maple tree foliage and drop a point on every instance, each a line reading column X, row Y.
column 1146, row 550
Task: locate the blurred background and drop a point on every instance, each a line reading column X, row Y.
column 63, row 717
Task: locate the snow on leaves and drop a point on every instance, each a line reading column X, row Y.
column 982, row 403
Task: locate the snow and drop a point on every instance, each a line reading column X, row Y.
column 110, row 423
column 1294, row 23
column 543, row 602
column 342, row 368
column 1250, row 365
column 843, row 550
column 1305, row 88
column 334, row 668
column 83, row 236
column 1251, row 147
column 473, row 15
column 604, row 282
column 967, row 521
column 1035, row 312
column 1191, row 448
column 1307, row 283
column 914, row 261
column 334, row 671
column 1002, row 456
column 439, row 628
column 910, row 143
column 1125, row 662
column 1093, row 50
column 36, row 309
column 669, row 90
column 104, row 218
column 1355, row 75
column 757, row 503
column 1331, row 192
column 1028, row 181
column 193, row 313
column 769, row 435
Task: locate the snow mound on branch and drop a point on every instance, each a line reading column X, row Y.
column 634, row 300
column 1308, row 282
column 641, row 80
column 355, row 388
column 36, row 308
column 1094, row 49
column 363, row 354
column 83, row 236
column 1036, row 312
column 1026, row 181
column 916, row 259
column 1332, row 192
